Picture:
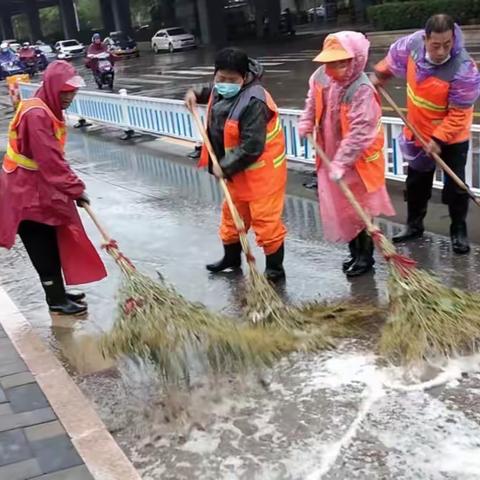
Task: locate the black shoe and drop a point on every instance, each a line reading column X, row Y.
column 458, row 234
column 274, row 271
column 364, row 260
column 76, row 296
column 57, row 298
column 410, row 232
column 68, row 308
column 348, row 262
column 311, row 185
column 232, row 259
column 196, row 153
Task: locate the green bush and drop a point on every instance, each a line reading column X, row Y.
column 408, row 14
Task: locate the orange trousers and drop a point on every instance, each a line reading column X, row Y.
column 263, row 215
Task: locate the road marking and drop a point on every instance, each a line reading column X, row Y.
column 270, row 64
column 188, row 72
column 208, row 67
column 145, row 81
column 170, row 77
column 268, row 70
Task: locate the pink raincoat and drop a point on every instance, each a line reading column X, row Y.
column 47, row 195
column 340, row 222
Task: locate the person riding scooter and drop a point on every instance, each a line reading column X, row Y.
column 101, row 62
column 6, row 53
column 28, row 56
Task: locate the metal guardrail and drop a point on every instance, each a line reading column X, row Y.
column 160, row 116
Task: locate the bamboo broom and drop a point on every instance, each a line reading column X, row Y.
column 438, row 160
column 426, row 318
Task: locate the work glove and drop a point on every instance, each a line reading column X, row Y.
column 83, row 199
column 337, row 171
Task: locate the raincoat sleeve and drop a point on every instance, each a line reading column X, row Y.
column 396, row 61
column 363, row 116
column 37, row 132
column 307, row 119
column 253, row 134
column 463, row 93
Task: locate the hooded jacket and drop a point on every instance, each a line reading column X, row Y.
column 253, row 125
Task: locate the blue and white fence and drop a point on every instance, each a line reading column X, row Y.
column 160, row 116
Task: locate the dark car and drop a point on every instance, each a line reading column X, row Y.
column 119, row 43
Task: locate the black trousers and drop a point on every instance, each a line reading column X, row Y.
column 419, row 187
column 41, row 244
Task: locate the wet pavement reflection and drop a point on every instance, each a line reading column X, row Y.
column 165, row 213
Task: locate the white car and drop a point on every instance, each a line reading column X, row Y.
column 69, row 49
column 172, row 39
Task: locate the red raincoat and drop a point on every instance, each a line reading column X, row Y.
column 47, row 195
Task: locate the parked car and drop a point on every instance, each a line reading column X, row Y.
column 119, row 43
column 172, row 39
column 318, row 12
column 48, row 51
column 67, row 49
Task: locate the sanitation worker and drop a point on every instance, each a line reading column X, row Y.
column 343, row 113
column 442, row 87
column 38, row 191
column 247, row 137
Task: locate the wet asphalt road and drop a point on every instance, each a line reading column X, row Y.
column 323, row 416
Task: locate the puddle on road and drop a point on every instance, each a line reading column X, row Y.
column 165, row 217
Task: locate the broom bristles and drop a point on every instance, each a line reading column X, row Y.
column 426, row 319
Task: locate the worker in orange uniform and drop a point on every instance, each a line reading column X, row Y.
column 245, row 131
column 343, row 112
column 442, row 87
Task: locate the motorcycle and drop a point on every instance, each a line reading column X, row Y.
column 12, row 67
column 102, row 68
column 28, row 56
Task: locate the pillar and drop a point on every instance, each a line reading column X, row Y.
column 360, row 8
column 274, row 12
column 7, row 26
column 69, row 22
column 35, row 30
column 107, row 16
column 121, row 15
column 211, row 15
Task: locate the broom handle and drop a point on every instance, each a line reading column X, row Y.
column 239, row 224
column 106, row 237
column 345, row 189
column 440, row 162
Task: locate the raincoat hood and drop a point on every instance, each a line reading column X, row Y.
column 357, row 45
column 57, row 75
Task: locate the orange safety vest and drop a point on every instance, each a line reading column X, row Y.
column 13, row 159
column 370, row 164
column 427, row 100
column 268, row 173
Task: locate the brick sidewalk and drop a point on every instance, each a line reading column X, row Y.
column 33, row 443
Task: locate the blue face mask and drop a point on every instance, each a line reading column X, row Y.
column 228, row 90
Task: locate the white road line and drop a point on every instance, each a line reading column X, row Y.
column 188, row 72
column 270, row 64
column 169, row 77
column 203, row 68
column 145, row 81
column 268, row 70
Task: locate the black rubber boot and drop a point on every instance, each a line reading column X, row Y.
column 232, row 259
column 353, row 247
column 57, row 298
column 458, row 229
column 417, row 195
column 274, row 271
column 458, row 235
column 76, row 296
column 414, row 228
column 364, row 260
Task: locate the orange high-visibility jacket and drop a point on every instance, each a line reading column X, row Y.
column 268, row 173
column 427, row 100
column 13, row 159
column 370, row 165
